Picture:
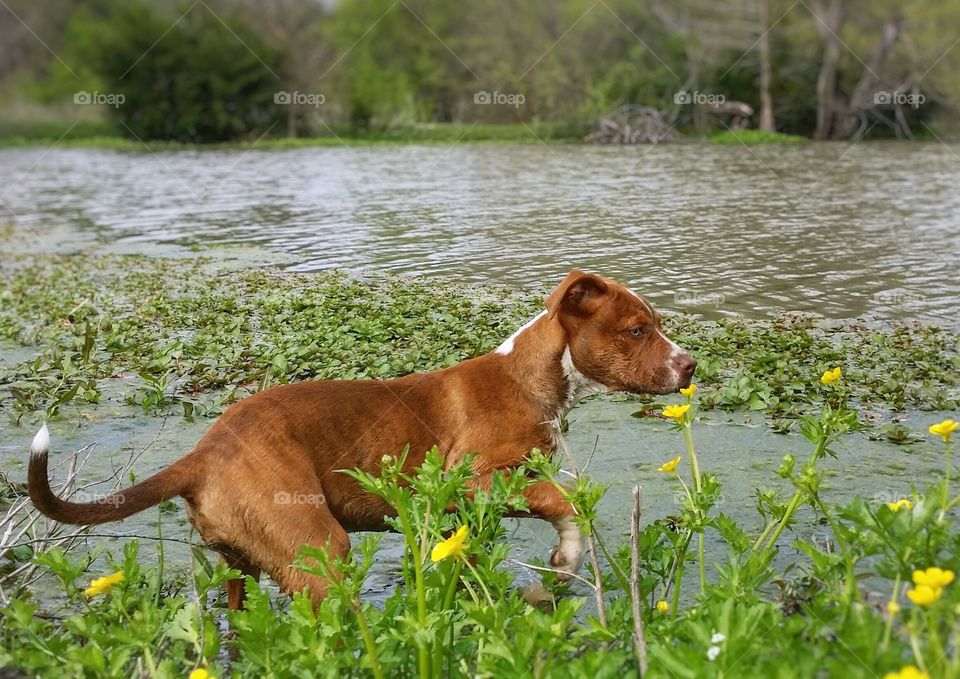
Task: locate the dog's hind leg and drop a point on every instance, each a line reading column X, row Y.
column 236, row 591
column 283, row 530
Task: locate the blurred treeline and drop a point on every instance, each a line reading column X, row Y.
column 210, row 70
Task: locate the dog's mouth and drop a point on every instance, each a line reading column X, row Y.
column 673, row 384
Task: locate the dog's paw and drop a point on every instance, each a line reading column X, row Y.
column 568, row 555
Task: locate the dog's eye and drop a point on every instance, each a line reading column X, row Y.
column 636, row 332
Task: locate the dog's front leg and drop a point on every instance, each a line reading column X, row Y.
column 547, row 502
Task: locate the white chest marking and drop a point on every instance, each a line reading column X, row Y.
column 507, row 345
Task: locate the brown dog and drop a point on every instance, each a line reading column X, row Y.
column 283, row 446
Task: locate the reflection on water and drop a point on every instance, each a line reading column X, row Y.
column 833, row 229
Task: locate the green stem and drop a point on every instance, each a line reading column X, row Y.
column 888, row 628
column 795, row 500
column 156, row 594
column 764, row 534
column 698, row 488
column 917, row 654
column 621, row 576
column 423, row 653
column 452, row 585
column 480, row 582
column 678, row 579
column 791, row 508
column 447, row 603
column 368, row 641
column 935, row 644
column 703, row 575
column 945, row 500
column 851, row 588
column 692, row 454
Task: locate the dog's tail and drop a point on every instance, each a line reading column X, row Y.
column 165, row 484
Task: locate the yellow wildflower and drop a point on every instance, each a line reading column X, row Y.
column 893, row 607
column 670, row 465
column 902, row 503
column 689, row 391
column 663, row 606
column 676, row 412
column 944, row 429
column 933, row 577
column 101, row 585
column 922, row 595
column 831, row 376
column 452, row 546
column 200, row 673
column 908, row 672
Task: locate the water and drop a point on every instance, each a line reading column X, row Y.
column 841, row 231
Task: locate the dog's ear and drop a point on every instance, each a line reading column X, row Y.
column 579, row 293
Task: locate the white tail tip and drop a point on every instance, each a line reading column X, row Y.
column 41, row 442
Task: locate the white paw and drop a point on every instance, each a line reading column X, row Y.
column 568, row 555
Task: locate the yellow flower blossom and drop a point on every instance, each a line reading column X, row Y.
column 944, row 429
column 922, row 595
column 452, row 546
column 663, row 606
column 933, row 577
column 893, row 607
column 908, row 672
column 676, row 412
column 200, row 673
column 670, row 465
column 831, row 376
column 101, row 585
column 689, row 391
column 902, row 503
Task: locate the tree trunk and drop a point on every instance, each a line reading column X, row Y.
column 292, row 120
column 847, row 121
column 767, row 122
column 829, row 16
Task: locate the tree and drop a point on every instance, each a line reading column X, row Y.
column 201, row 82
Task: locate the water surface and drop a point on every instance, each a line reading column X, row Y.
column 833, row 229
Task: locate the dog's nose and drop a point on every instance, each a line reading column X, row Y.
column 686, row 364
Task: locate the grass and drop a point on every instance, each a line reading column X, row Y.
column 104, row 136
column 750, row 137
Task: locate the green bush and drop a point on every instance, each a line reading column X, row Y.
column 202, row 82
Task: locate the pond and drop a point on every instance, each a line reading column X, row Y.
column 841, row 231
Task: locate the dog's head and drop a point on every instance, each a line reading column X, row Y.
column 615, row 336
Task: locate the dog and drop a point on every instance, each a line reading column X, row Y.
column 594, row 335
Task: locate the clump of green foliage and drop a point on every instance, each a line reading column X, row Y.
column 198, row 336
